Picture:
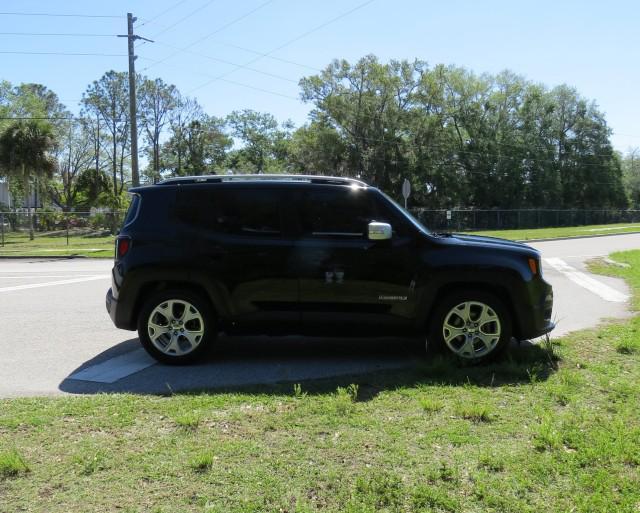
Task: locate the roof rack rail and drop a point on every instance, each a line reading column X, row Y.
column 337, row 180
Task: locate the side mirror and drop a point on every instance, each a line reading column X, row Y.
column 379, row 231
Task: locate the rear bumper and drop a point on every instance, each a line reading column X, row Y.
column 121, row 321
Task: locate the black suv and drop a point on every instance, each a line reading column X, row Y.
column 313, row 255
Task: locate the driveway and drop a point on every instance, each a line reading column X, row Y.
column 57, row 337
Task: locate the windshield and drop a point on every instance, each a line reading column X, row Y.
column 407, row 215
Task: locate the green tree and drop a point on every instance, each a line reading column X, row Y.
column 156, row 102
column 24, row 154
column 631, row 173
column 74, row 155
column 264, row 143
column 107, row 100
column 195, row 148
column 318, row 149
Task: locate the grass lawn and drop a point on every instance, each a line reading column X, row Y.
column 552, row 429
column 569, row 231
column 18, row 244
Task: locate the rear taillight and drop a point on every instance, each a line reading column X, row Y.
column 123, row 244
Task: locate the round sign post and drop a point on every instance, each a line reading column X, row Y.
column 406, row 191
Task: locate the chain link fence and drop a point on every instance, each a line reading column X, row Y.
column 19, row 225
column 462, row 220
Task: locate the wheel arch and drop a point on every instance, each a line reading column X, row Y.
column 500, row 291
column 152, row 287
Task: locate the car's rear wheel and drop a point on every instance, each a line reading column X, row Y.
column 176, row 327
column 474, row 326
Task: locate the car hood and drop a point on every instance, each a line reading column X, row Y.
column 488, row 243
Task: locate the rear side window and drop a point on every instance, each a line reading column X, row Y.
column 243, row 212
column 329, row 213
column 132, row 212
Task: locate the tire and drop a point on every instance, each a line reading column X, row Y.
column 176, row 327
column 457, row 327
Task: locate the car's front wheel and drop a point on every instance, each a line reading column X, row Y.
column 176, row 327
column 474, row 326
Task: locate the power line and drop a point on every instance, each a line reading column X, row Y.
column 272, row 57
column 151, row 20
column 195, row 11
column 224, row 61
column 275, row 93
column 55, row 15
column 210, row 34
column 54, row 34
column 258, row 89
column 289, row 42
column 71, row 54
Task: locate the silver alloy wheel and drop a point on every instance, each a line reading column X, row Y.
column 175, row 327
column 471, row 329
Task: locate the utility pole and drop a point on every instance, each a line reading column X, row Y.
column 135, row 174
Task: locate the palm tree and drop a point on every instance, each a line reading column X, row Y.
column 24, row 148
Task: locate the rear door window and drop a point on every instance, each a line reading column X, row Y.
column 132, row 211
column 240, row 212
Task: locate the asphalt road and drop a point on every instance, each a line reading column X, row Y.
column 57, row 338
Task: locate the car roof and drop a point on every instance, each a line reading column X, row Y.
column 253, row 180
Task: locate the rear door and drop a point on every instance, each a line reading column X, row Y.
column 347, row 281
column 242, row 251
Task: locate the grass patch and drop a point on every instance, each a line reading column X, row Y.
column 564, row 231
column 476, row 412
column 18, row 244
column 431, row 405
column 188, row 421
column 12, row 464
column 202, row 462
column 90, row 460
column 549, row 428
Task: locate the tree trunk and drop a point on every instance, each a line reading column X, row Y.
column 27, row 190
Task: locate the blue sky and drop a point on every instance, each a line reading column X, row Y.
column 591, row 45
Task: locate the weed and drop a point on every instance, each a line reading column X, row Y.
column 90, row 461
column 491, row 462
column 352, row 390
column 345, row 399
column 202, row 462
column 476, row 412
column 188, row 421
column 626, row 347
column 547, row 436
column 297, row 391
column 431, row 405
column 430, row 498
column 12, row 464
column 380, row 489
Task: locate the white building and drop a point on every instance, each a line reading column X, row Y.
column 5, row 197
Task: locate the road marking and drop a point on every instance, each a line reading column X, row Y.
column 579, row 278
column 51, row 270
column 52, row 283
column 45, row 276
column 116, row 368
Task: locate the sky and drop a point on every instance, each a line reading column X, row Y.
column 215, row 50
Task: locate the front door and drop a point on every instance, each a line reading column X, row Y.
column 348, row 282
